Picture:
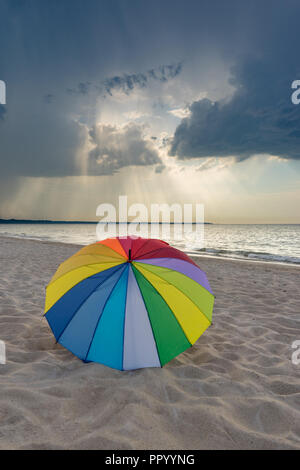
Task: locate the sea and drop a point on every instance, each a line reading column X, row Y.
column 262, row 242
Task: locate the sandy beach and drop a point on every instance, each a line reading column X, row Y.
column 236, row 388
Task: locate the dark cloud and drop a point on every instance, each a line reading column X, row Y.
column 81, row 89
column 49, row 98
column 116, row 148
column 244, row 126
column 160, row 168
column 126, row 83
column 260, row 117
column 46, row 144
column 50, row 46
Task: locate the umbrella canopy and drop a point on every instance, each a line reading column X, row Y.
column 128, row 303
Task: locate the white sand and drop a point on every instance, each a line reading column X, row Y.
column 235, row 389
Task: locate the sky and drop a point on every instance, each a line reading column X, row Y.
column 163, row 101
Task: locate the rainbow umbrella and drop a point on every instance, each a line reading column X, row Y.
column 128, row 303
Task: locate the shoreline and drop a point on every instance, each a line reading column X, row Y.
column 194, row 256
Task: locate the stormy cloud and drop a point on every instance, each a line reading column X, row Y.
column 101, row 88
column 116, row 148
column 259, row 117
column 128, row 82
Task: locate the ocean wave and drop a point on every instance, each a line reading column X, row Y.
column 84, row 239
column 249, row 255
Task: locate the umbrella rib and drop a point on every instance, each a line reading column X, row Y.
column 144, row 266
column 83, row 266
column 158, row 355
column 181, row 293
column 153, row 251
column 141, row 261
column 100, row 242
column 124, row 322
column 101, row 316
column 150, row 240
column 93, row 254
column 173, row 270
column 167, row 305
column 163, row 248
column 96, row 245
column 142, row 246
column 80, row 305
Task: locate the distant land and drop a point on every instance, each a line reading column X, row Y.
column 25, row 221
